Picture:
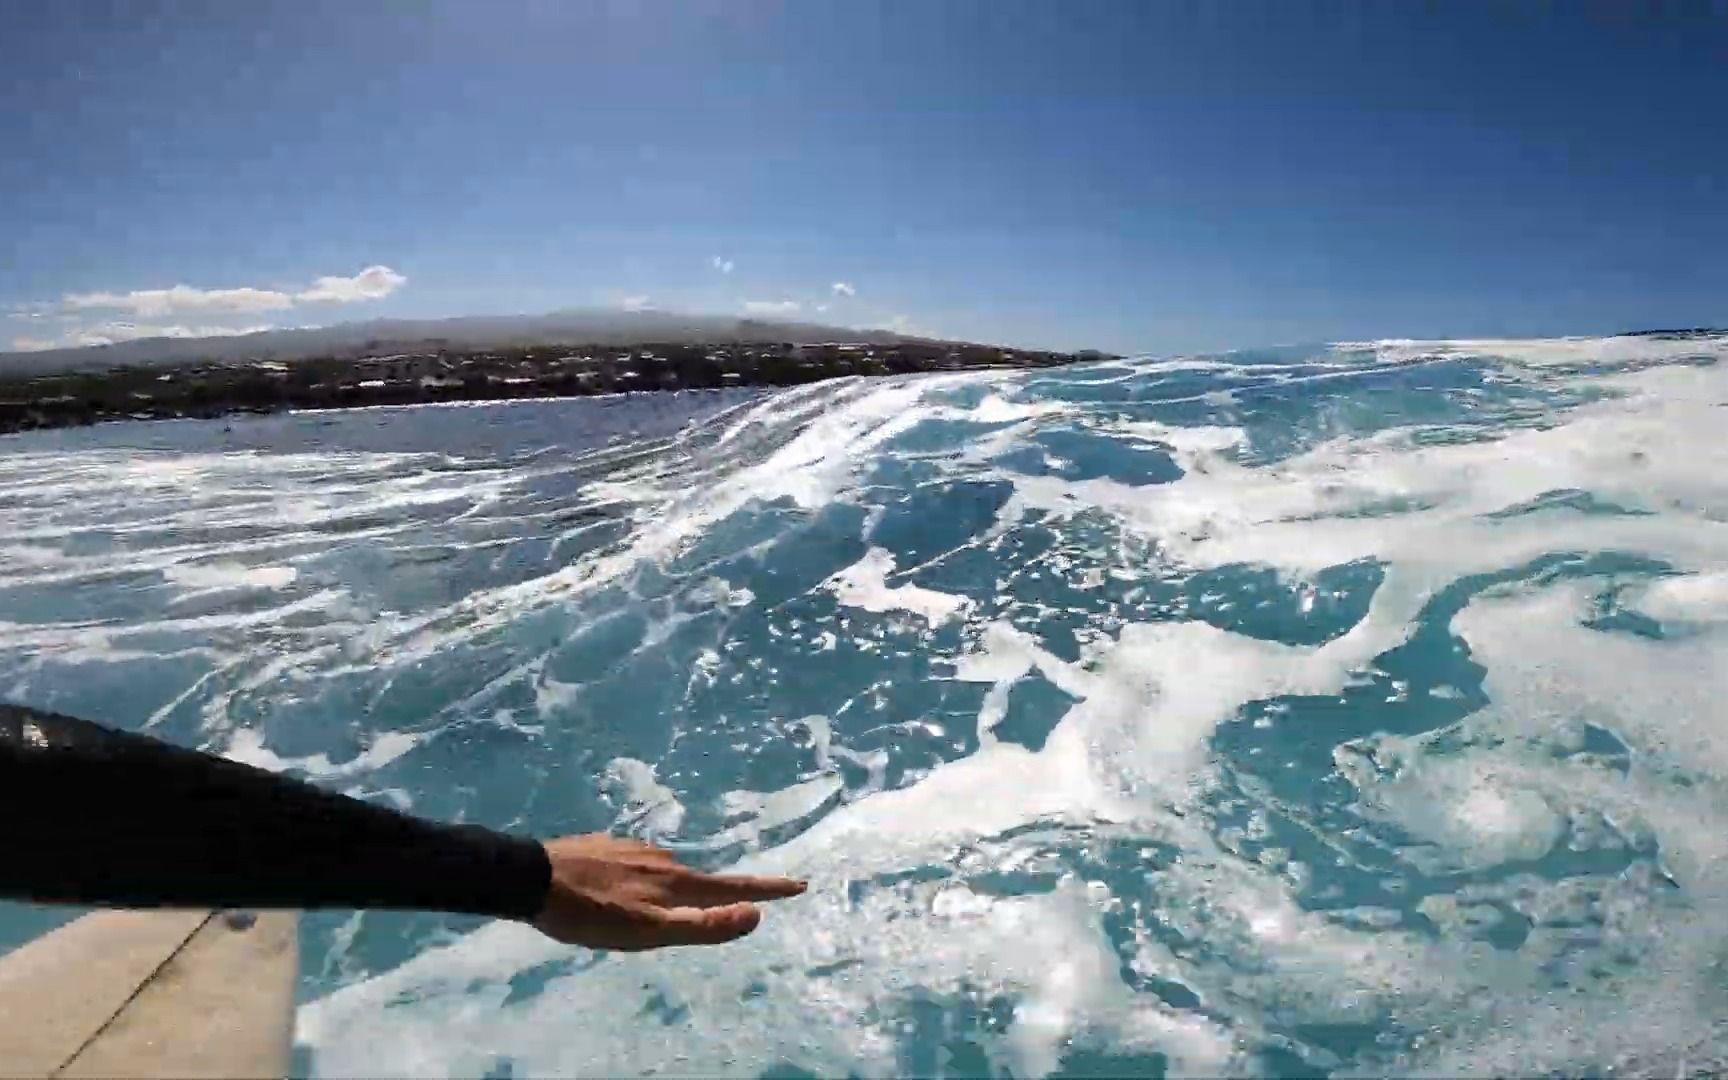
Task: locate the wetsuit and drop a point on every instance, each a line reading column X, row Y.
column 95, row 816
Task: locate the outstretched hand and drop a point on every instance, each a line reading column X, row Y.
column 612, row 893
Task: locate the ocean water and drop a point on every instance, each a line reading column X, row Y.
column 1310, row 711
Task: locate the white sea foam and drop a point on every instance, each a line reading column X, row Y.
column 864, row 585
column 649, row 808
column 248, row 746
column 1543, row 351
column 218, row 577
column 996, row 409
column 1691, row 599
column 1662, row 1012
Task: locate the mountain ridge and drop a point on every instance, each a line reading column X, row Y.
column 357, row 339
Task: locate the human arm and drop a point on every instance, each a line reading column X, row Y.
column 98, row 816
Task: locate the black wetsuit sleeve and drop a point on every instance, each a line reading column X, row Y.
column 96, row 816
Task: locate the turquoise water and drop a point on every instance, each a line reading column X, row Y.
column 1305, row 711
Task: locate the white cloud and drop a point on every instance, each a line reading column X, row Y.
column 722, row 265
column 820, row 308
column 152, row 302
column 900, row 324
column 772, row 307
column 372, row 283
column 32, row 344
column 635, row 303
column 842, row 288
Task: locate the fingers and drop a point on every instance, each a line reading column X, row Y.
column 702, row 926
column 714, row 890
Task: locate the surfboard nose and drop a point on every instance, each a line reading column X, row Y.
column 192, row 993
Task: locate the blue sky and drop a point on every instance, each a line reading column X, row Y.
column 1136, row 176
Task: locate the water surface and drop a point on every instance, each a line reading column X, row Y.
column 1307, row 711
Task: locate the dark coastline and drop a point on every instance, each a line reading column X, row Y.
column 205, row 390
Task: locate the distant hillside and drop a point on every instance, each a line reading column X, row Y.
column 408, row 335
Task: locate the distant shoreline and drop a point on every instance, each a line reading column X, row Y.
column 444, row 376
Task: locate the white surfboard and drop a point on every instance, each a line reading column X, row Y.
column 152, row 993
